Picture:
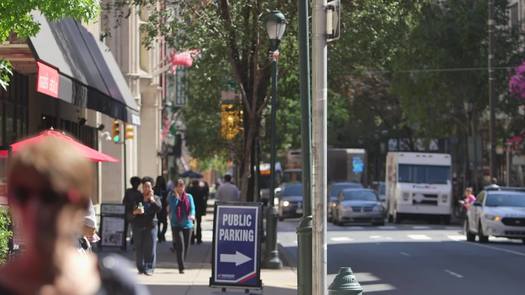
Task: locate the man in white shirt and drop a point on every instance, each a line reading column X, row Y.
column 227, row 191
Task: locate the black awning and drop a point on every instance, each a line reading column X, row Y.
column 68, row 46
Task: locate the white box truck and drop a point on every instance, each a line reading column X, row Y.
column 418, row 184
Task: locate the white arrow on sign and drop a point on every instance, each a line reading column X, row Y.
column 238, row 258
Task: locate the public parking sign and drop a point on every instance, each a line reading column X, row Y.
column 236, row 245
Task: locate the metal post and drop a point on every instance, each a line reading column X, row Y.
column 492, row 117
column 272, row 254
column 319, row 110
column 304, row 230
column 507, row 165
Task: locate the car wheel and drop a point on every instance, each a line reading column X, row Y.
column 481, row 237
column 281, row 218
column 470, row 236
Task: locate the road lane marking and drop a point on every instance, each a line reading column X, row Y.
column 340, row 239
column 421, row 227
column 420, row 237
column 457, row 237
column 454, row 274
column 387, row 227
column 404, row 254
column 379, row 238
column 498, row 249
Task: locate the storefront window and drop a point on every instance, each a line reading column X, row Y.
column 13, row 110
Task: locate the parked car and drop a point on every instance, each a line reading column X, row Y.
column 334, row 189
column 290, row 200
column 358, row 205
column 498, row 212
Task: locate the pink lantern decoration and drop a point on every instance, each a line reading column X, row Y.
column 183, row 59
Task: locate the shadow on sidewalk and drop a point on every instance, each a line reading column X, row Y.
column 204, row 289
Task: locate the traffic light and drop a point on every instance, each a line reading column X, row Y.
column 115, row 135
column 231, row 121
column 129, row 133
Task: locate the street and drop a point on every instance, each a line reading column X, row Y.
column 418, row 259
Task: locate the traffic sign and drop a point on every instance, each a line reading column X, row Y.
column 236, row 245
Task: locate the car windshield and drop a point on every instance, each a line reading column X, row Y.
column 292, row 190
column 505, row 200
column 336, row 188
column 359, row 195
column 424, row 174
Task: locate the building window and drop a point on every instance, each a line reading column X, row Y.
column 13, row 110
column 514, row 15
column 144, row 52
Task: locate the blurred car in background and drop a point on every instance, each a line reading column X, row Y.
column 290, row 200
column 498, row 212
column 358, row 205
column 334, row 190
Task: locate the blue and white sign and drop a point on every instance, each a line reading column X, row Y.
column 236, row 242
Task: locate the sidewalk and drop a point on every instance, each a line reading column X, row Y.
column 195, row 280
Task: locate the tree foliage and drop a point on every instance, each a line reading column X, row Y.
column 15, row 17
column 234, row 48
column 444, row 64
column 5, row 234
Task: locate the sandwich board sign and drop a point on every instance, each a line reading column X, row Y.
column 236, row 245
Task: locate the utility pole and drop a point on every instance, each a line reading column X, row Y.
column 304, row 231
column 492, row 117
column 319, row 110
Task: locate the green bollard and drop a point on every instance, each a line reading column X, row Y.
column 345, row 283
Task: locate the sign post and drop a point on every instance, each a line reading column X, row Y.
column 236, row 246
column 113, row 226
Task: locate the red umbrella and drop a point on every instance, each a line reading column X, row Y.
column 90, row 153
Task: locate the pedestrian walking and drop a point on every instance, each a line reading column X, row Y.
column 182, row 215
column 131, row 197
column 160, row 190
column 200, row 198
column 469, row 198
column 144, row 226
column 227, row 191
column 49, row 184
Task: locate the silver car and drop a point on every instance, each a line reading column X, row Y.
column 358, row 205
column 334, row 190
column 498, row 212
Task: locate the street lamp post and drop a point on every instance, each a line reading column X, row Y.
column 275, row 26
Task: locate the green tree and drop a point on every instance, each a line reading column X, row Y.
column 234, row 44
column 16, row 18
column 5, row 234
column 444, row 65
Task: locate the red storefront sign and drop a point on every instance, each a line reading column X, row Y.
column 47, row 80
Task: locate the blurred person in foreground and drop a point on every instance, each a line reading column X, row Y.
column 49, row 184
column 144, row 225
column 182, row 215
